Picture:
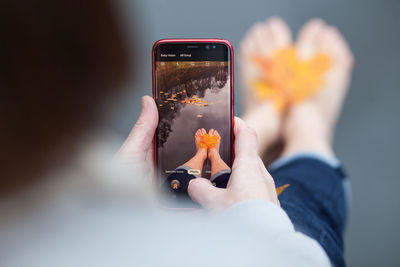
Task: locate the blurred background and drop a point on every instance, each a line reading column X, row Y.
column 367, row 134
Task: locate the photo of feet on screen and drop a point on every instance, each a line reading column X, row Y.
column 193, row 99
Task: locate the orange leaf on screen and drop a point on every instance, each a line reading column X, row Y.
column 209, row 141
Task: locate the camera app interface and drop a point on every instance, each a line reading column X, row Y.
column 193, row 96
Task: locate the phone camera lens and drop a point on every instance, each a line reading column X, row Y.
column 213, row 46
column 207, row 46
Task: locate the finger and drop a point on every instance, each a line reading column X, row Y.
column 203, row 192
column 245, row 152
column 263, row 170
column 142, row 134
column 265, row 173
column 246, row 143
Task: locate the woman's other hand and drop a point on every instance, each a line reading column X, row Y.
column 249, row 179
column 137, row 152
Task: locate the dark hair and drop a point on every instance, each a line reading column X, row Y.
column 59, row 60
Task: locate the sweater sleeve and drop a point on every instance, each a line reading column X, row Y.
column 270, row 223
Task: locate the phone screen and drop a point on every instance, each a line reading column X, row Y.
column 193, row 93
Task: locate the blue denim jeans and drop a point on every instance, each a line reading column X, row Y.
column 316, row 200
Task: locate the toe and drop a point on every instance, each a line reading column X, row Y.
column 247, row 47
column 263, row 38
column 333, row 43
column 329, row 40
column 281, row 35
column 257, row 41
column 307, row 38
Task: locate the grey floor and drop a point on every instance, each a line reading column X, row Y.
column 367, row 135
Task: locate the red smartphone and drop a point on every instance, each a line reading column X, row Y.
column 193, row 90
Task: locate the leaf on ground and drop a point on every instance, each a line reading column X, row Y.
column 280, row 189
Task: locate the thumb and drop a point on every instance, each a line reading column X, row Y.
column 142, row 134
column 246, row 141
column 203, row 192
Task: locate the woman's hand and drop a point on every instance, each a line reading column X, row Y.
column 249, row 179
column 137, row 153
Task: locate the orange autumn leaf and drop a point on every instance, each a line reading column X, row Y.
column 209, row 141
column 280, row 189
column 286, row 79
column 195, row 101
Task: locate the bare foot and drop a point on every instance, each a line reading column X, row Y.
column 310, row 124
column 263, row 39
column 214, row 152
column 201, row 151
column 217, row 164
